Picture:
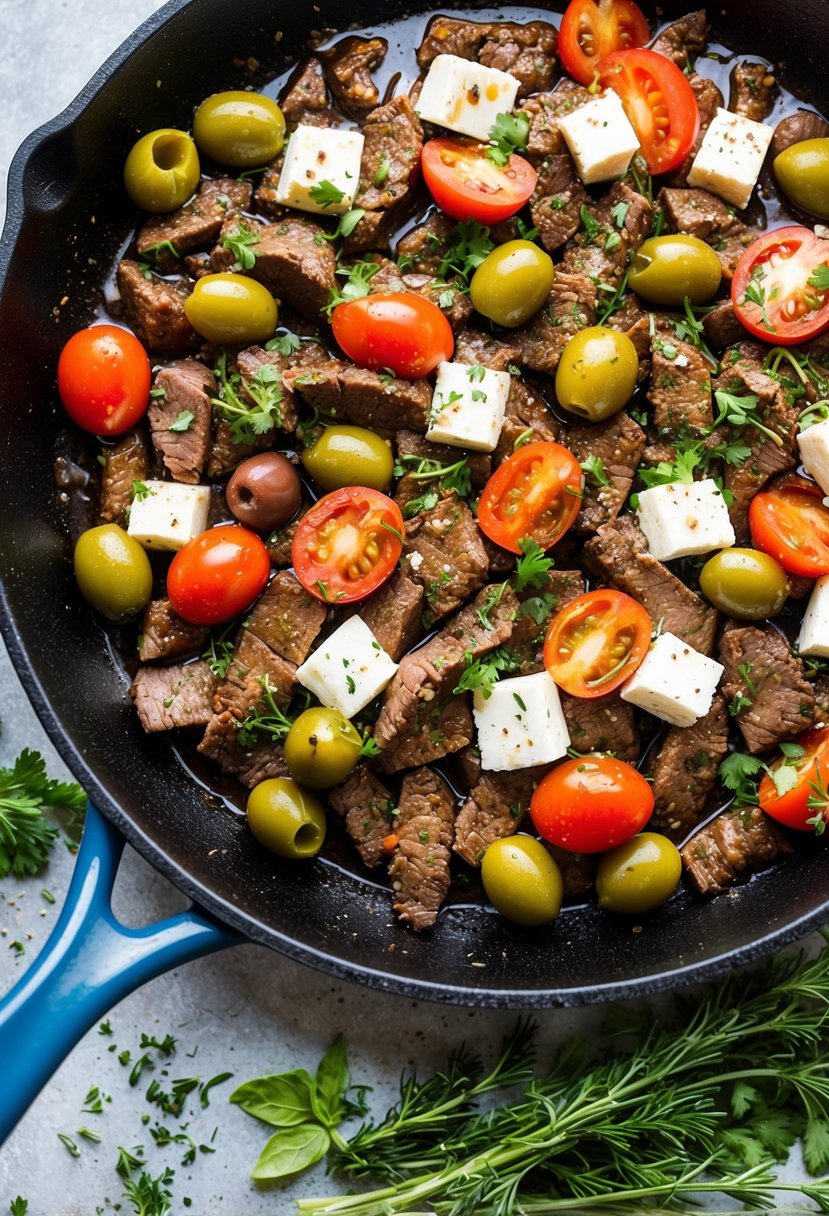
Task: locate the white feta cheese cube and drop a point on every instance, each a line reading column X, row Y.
column 321, row 170
column 468, row 406
column 600, row 137
column 348, row 669
column 166, row 514
column 684, row 518
column 674, row 682
column 464, row 96
column 730, row 157
column 814, row 452
column 814, row 632
column 521, row 723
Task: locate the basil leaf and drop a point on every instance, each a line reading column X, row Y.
column 330, row 1084
column 282, row 1099
column 291, row 1150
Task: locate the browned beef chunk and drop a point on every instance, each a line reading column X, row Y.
column 472, row 346
column 619, row 554
column 431, row 673
column 249, row 765
column 305, row 98
column 683, row 771
column 684, row 39
column 577, row 871
column 281, row 539
column 393, row 614
column 680, row 385
column 125, row 462
column 422, row 249
column 154, row 308
column 803, row 124
column 571, row 306
column 251, row 361
column 253, row 665
column 766, row 683
column 707, row 217
column 184, row 400
column 414, row 454
column 286, row 618
column 619, row 444
column 622, row 213
column 292, row 261
column 357, row 395
column 450, row 296
column 348, row 66
column 446, row 728
column 527, row 52
column 391, row 153
column 538, row 605
column 735, row 845
column 526, row 411
column 494, row 809
column 721, row 326
column 753, row 90
column 709, row 100
column 445, row 555
column 606, row 724
column 368, row 809
column 544, row 111
column 164, row 635
column 820, row 689
column 226, row 453
column 425, row 827
column 166, row 697
column 632, row 320
column 557, row 200
column 196, row 225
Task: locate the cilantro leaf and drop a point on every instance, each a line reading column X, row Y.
column 357, row 278
column 264, row 389
column 509, row 133
column 240, row 241
column 819, row 278
column 741, row 411
column 326, row 194
column 680, row 470
column 740, row 773
column 483, row 673
column 593, row 467
column 346, row 224
column 533, row 567
column 285, row 344
column 25, row 790
column 464, row 251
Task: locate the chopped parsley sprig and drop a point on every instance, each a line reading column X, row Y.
column 26, row 837
column 247, row 420
column 509, row 133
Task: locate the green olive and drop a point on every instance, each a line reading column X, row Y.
column 803, row 173
column 286, row 819
column 666, row 269
column 512, row 283
column 113, row 571
column 744, row 583
column 349, row 456
column 321, row 748
column 641, row 874
column 239, row 128
column 231, row 308
column 597, row 373
column 522, row 880
column 162, row 170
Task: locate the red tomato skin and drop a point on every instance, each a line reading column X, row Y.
column 623, row 71
column 591, row 804
column 768, row 515
column 792, row 809
column 450, row 170
column 320, row 579
column 812, row 251
column 104, row 379
column 218, row 574
column 614, row 25
column 396, row 330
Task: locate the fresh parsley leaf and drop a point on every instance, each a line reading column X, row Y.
column 620, row 213
column 740, row 774
column 284, row 344
column 346, row 224
column 326, row 194
column 357, row 278
column 438, row 478
column 741, row 411
column 150, row 1196
column 819, row 278
column 589, row 223
column 680, row 470
column 464, row 251
column 483, row 673
column 246, row 421
column 18, row 1207
column 593, row 467
column 139, row 490
column 509, row 133
column 370, row 749
column 382, row 170
column 532, row 568
column 26, row 837
column 183, row 422
column 240, row 241
column 264, row 718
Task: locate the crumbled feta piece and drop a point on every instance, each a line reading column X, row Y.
column 814, row 631
column 468, row 406
column 600, row 137
column 730, row 157
column 464, row 96
column 681, row 519
column 348, row 669
column 674, row 682
column 321, row 170
column 814, row 452
column 521, row 723
column 166, row 514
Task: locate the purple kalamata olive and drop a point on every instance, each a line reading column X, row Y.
column 265, row 491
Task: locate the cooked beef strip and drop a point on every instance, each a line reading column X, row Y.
column 494, row 809
column 709, row 100
column 410, row 444
column 622, row 213
column 526, row 51
column 444, row 554
column 368, row 809
column 353, row 394
column 618, row 443
column 803, row 124
column 441, row 730
column 820, row 690
column 393, row 614
column 196, row 225
column 619, row 554
column 680, row 386
column 186, row 387
column 606, row 724
column 125, row 462
column 423, row 247
column 348, row 65
column 557, row 200
column 753, row 90
column 707, row 217
column 286, row 618
column 544, row 110
column 292, row 261
column 538, row 605
column 166, row 697
column 425, row 827
column 225, row 453
column 281, row 539
column 154, row 308
column 683, row 771
column 450, row 296
column 526, row 411
column 632, row 320
column 721, row 327
column 683, row 40
column 249, row 765
column 734, row 845
column 252, row 663
column 253, row 358
column 164, row 635
column 763, row 676
column 391, row 154
column 305, row 98
column 571, row 306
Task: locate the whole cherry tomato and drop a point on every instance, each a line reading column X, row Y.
column 396, row 330
column 104, row 379
column 217, row 575
column 591, row 803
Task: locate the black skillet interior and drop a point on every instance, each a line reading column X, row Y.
column 67, row 218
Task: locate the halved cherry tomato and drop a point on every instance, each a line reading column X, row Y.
column 591, row 30
column 780, row 288
column 596, row 642
column 809, row 779
column 394, row 329
column 104, row 379
column 791, row 524
column 466, row 184
column 536, row 492
column 658, row 101
column 348, row 544
column 218, row 574
column 591, row 803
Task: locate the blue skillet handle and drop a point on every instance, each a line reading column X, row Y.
column 90, row 962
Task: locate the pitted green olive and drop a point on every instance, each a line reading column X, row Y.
column 522, row 880
column 666, row 269
column 322, row 748
column 239, row 128
column 286, row 819
column 597, row 373
column 639, row 875
column 113, row 571
column 744, row 583
column 512, row 283
column 162, row 170
column 349, row 456
column 803, row 173
column 231, row 308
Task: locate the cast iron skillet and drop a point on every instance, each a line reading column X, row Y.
column 66, row 219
